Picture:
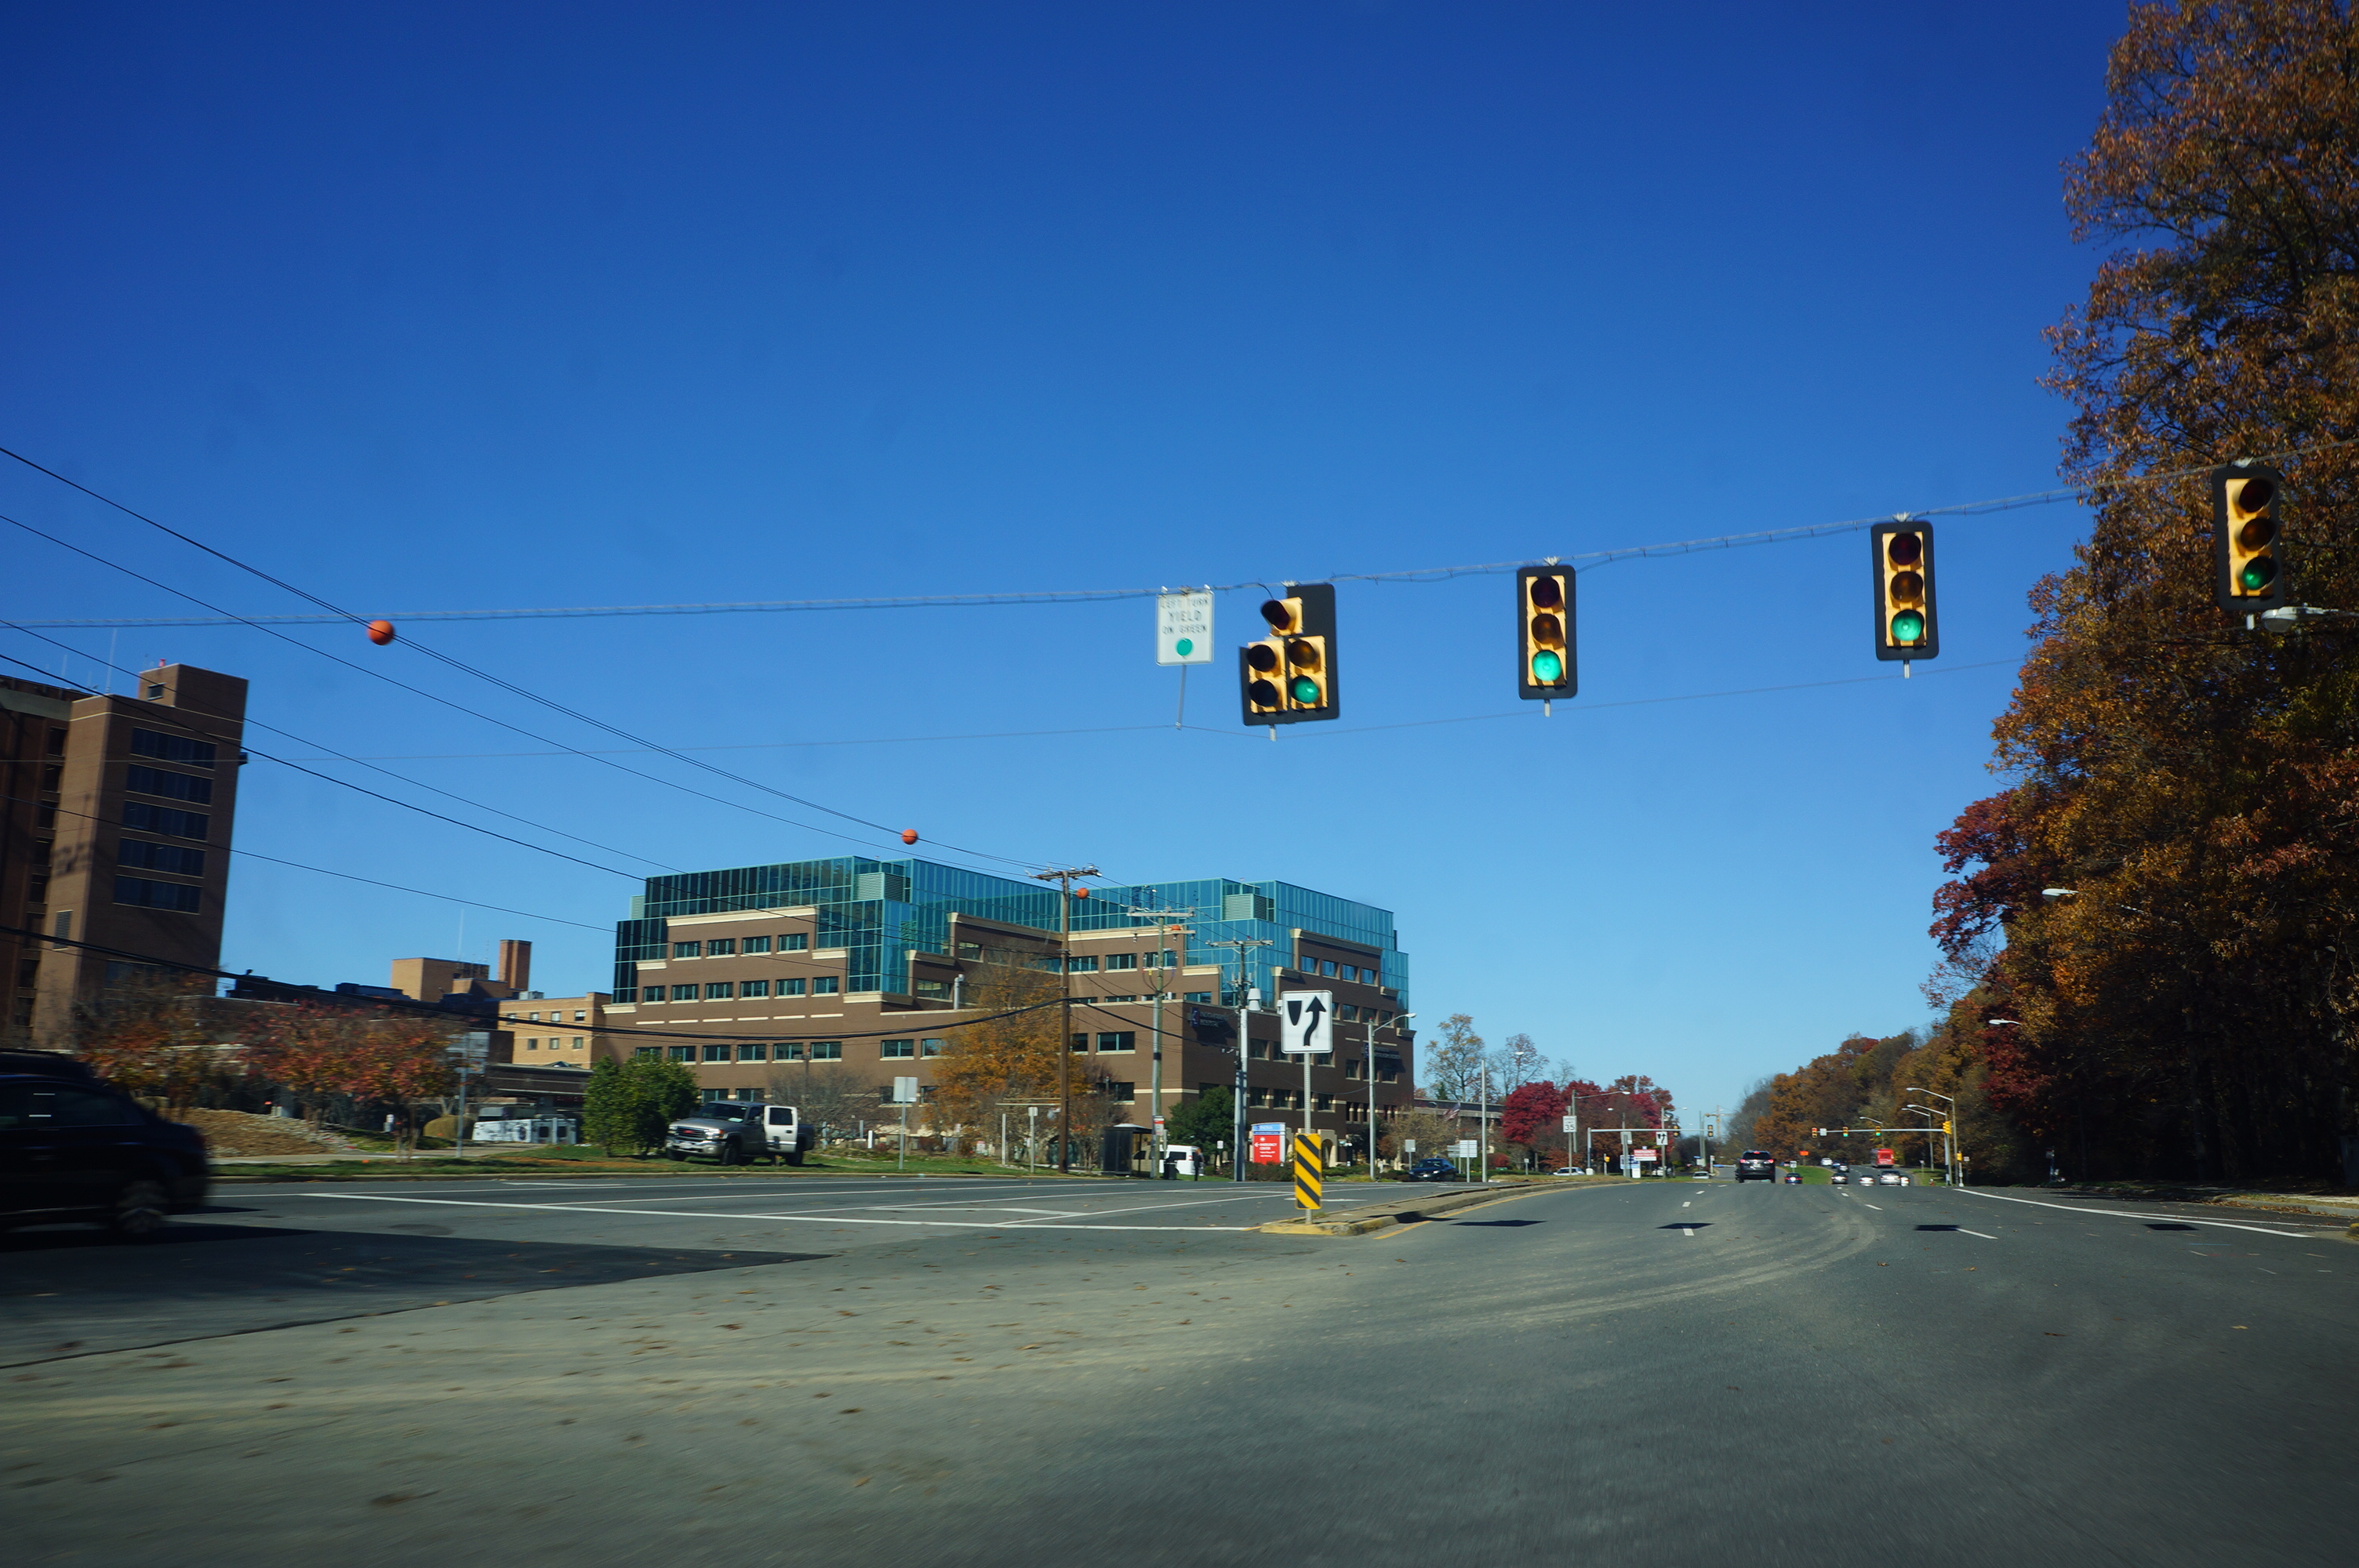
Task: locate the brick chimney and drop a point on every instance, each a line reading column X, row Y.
column 516, row 967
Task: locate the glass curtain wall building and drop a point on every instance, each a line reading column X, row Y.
column 877, row 911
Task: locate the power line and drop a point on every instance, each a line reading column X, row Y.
column 322, row 870
column 1585, row 560
column 420, row 691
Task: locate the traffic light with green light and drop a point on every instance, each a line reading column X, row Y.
column 1903, row 568
column 2247, row 540
column 1290, row 676
column 1544, row 669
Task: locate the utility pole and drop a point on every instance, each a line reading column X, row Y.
column 1369, row 1066
column 1162, row 985
column 1484, row 1070
column 1063, row 877
column 1247, row 997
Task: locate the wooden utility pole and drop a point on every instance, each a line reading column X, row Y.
column 1064, row 878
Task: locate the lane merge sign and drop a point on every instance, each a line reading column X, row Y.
column 1310, row 1027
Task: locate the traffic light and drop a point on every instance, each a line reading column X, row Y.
column 1905, row 624
column 1290, row 676
column 1544, row 650
column 2248, row 547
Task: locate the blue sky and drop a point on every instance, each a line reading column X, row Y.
column 430, row 308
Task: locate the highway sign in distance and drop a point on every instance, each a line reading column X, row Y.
column 1468, row 1148
column 1309, row 1026
column 1183, row 628
column 1572, row 1124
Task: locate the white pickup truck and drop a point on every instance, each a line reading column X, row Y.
column 737, row 1133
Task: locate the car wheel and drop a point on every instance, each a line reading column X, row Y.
column 731, row 1155
column 795, row 1159
column 141, row 1208
column 674, row 1154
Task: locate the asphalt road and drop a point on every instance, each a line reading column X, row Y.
column 1016, row 1372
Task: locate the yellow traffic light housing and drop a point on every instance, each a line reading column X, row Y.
column 2247, row 539
column 1906, row 627
column 1545, row 668
column 1290, row 676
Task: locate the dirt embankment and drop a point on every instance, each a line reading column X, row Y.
column 235, row 1132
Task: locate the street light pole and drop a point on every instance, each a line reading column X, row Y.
column 1246, row 995
column 1949, row 1132
column 1063, row 877
column 1369, row 1066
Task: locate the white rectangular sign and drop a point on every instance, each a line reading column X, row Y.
column 1183, row 628
column 1469, row 1148
column 905, row 1091
column 1572, row 1124
column 1309, row 1022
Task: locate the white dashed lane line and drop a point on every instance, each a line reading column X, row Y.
column 795, row 1219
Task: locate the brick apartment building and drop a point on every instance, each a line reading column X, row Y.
column 857, row 969
column 115, row 831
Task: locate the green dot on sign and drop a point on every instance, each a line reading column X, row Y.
column 1186, row 646
column 1908, row 627
column 1306, row 691
column 1546, row 669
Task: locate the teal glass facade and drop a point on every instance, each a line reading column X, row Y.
column 879, row 910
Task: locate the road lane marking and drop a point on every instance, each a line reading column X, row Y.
column 2124, row 1214
column 802, row 1218
column 1964, row 1231
column 1877, row 1206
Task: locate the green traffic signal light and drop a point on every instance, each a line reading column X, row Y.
column 1908, row 627
column 2259, row 573
column 1546, row 669
column 1306, row 691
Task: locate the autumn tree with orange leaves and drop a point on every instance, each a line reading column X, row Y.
column 2188, row 1009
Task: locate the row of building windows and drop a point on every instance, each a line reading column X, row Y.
column 556, row 1015
column 1111, row 1041
column 730, row 990
column 148, row 895
column 731, row 946
column 555, row 1044
column 1328, row 969
column 175, row 859
column 170, row 786
column 793, row 1051
column 896, row 1048
column 1166, row 960
column 165, row 748
column 165, row 819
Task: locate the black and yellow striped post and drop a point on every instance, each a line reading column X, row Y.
column 1310, row 1170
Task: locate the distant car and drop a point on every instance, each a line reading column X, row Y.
column 1756, row 1165
column 1436, row 1169
column 1892, row 1178
column 73, row 1148
column 1839, row 1178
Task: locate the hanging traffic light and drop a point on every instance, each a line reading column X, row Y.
column 1905, row 625
column 2247, row 544
column 1544, row 649
column 1290, row 676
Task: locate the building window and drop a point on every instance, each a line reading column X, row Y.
column 171, row 786
column 532, row 1018
column 57, row 742
column 749, row 1094
column 1353, row 1068
column 716, row 1053
column 725, row 948
column 1121, row 1091
column 1196, row 996
column 172, row 748
column 1326, row 1102
column 753, row 987
column 791, row 1052
column 934, row 988
column 1257, row 1051
column 680, row 1053
column 970, row 950
column 1081, row 1042
column 1327, row 967
column 648, row 1053
column 532, row 1045
column 629, row 994
column 1117, row 1040
column 1387, row 1074
column 753, row 1053
column 794, row 942
column 1115, row 999
column 142, row 818
column 826, row 984
column 1257, row 1099
column 827, row 1050
column 1347, row 1012
column 721, row 990
column 1121, row 960
column 577, row 1043
column 1082, row 966
column 683, row 993
column 687, row 950
column 155, row 895
column 930, row 1047
column 168, row 858
column 790, row 988
column 757, row 944
column 896, row 1048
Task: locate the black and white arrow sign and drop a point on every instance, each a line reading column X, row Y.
column 1309, row 1022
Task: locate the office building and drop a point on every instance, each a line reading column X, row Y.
column 114, row 832
column 860, row 969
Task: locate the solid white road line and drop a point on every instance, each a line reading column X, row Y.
column 800, row 1218
column 2124, row 1214
column 1985, row 1237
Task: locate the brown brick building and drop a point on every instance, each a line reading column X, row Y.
column 115, row 831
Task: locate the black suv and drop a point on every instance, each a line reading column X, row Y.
column 73, row 1148
column 1754, row 1165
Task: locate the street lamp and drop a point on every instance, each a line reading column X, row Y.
column 1369, row 1067
column 1950, row 1138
